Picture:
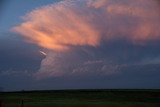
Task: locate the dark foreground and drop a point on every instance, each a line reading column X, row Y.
column 81, row 98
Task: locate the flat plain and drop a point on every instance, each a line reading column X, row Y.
column 82, row 98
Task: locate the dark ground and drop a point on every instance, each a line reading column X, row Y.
column 82, row 98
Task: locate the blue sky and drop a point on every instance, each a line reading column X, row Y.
column 12, row 11
column 79, row 44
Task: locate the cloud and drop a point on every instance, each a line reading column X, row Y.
column 87, row 23
column 75, row 63
column 60, row 25
column 18, row 55
column 11, row 72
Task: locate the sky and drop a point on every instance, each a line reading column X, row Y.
column 79, row 44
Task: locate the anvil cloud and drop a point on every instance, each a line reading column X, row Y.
column 74, row 23
column 87, row 22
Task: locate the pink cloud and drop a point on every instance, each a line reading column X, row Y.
column 79, row 23
column 88, row 22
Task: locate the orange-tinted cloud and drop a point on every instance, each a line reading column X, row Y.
column 56, row 26
column 87, row 22
column 70, row 23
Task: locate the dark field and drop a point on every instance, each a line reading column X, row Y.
column 82, row 98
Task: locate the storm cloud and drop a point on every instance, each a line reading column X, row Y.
column 97, row 36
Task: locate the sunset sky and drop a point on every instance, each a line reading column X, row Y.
column 72, row 44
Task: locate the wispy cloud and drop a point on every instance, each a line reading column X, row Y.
column 70, row 23
column 87, row 22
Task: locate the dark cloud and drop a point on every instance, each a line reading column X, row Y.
column 116, row 64
column 16, row 54
column 88, row 44
column 107, row 59
column 80, row 31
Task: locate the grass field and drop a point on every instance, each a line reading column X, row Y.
column 82, row 98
